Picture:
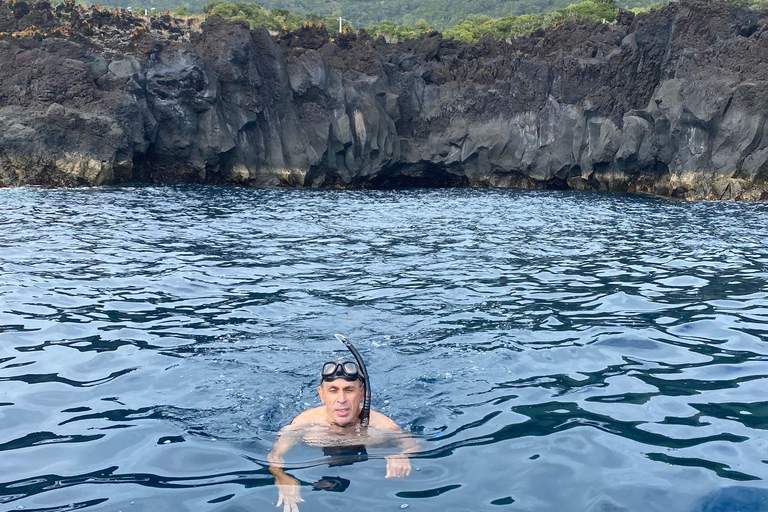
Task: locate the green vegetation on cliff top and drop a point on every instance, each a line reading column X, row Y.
column 440, row 14
column 455, row 19
column 470, row 29
column 273, row 20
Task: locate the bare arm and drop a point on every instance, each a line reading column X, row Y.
column 288, row 488
column 288, row 437
column 397, row 465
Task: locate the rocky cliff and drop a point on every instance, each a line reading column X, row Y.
column 672, row 102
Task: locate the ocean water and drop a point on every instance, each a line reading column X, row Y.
column 551, row 351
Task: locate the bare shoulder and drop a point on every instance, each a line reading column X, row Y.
column 308, row 417
column 383, row 422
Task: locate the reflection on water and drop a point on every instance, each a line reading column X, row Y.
column 554, row 351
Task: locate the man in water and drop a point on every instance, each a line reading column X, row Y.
column 339, row 422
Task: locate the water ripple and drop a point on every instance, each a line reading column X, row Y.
column 154, row 339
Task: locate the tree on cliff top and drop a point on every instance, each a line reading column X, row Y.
column 440, row 14
column 473, row 28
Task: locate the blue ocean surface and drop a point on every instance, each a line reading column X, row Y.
column 551, row 351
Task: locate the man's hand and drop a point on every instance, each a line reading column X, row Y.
column 288, row 493
column 398, row 466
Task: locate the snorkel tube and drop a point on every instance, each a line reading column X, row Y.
column 365, row 414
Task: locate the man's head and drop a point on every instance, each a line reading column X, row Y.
column 341, row 391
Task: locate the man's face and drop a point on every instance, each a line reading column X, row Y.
column 341, row 399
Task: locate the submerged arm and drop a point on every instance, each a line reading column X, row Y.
column 284, row 442
column 288, row 488
column 397, row 465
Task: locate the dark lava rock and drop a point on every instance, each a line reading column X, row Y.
column 671, row 102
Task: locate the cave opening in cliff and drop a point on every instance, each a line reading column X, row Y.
column 421, row 175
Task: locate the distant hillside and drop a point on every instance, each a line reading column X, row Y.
column 440, row 14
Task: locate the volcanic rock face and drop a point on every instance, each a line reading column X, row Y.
column 672, row 102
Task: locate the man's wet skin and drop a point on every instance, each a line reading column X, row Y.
column 337, row 423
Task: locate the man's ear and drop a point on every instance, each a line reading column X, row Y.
column 321, row 394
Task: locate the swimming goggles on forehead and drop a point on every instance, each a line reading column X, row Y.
column 347, row 370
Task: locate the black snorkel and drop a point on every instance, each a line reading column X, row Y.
column 365, row 414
